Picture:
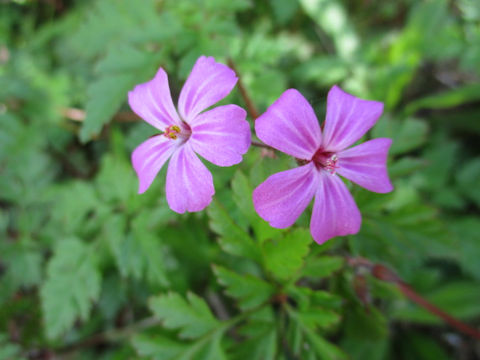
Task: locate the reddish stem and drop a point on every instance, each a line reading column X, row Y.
column 412, row 295
column 252, row 110
column 382, row 272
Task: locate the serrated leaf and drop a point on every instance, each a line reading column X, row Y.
column 307, row 298
column 322, row 266
column 309, row 340
column 73, row 283
column 115, row 79
column 137, row 251
column 261, row 347
column 242, row 190
column 192, row 317
column 162, row 348
column 157, row 347
column 233, row 239
column 249, row 290
column 284, row 257
column 316, row 317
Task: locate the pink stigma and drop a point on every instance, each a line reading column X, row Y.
column 174, row 132
column 326, row 160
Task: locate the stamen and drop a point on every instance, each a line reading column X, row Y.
column 331, row 164
column 172, row 131
column 325, row 160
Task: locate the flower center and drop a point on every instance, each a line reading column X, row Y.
column 173, row 132
column 326, row 160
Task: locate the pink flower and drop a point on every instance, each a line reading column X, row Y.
column 220, row 135
column 290, row 125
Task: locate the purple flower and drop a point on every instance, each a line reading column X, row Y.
column 220, row 135
column 290, row 125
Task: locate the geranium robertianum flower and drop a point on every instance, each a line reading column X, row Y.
column 220, row 135
column 290, row 125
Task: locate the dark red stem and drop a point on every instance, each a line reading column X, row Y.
column 382, row 272
column 252, row 110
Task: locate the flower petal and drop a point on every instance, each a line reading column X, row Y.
column 153, row 103
column 348, row 119
column 221, row 135
column 334, row 210
column 290, row 125
column 366, row 165
column 149, row 157
column 189, row 183
column 208, row 83
column 284, row 196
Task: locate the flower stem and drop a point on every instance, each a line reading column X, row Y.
column 252, row 110
column 261, row 145
column 382, row 272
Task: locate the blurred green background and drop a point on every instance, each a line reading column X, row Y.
column 91, row 270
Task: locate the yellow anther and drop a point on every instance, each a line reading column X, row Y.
column 176, row 128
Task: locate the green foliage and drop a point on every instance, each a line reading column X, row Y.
column 90, row 269
column 284, row 257
column 193, row 317
column 118, row 72
column 248, row 290
column 73, row 282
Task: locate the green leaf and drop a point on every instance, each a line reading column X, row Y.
column 242, row 190
column 137, row 251
column 466, row 229
column 316, row 317
column 420, row 346
column 73, row 283
column 24, row 266
column 324, row 71
column 405, row 166
column 407, row 135
column 249, row 290
column 312, row 341
column 446, row 99
column 283, row 10
column 322, row 266
column 192, row 317
column 233, row 239
column 367, row 333
column 332, row 17
column 262, row 346
column 119, row 71
column 157, row 347
column 162, row 348
column 467, row 178
column 284, row 257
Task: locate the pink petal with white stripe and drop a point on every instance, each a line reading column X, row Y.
column 284, row 196
column 334, row 210
column 366, row 165
column 290, row 125
column 189, row 183
column 208, row 83
column 149, row 157
column 221, row 135
column 348, row 119
column 153, row 103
